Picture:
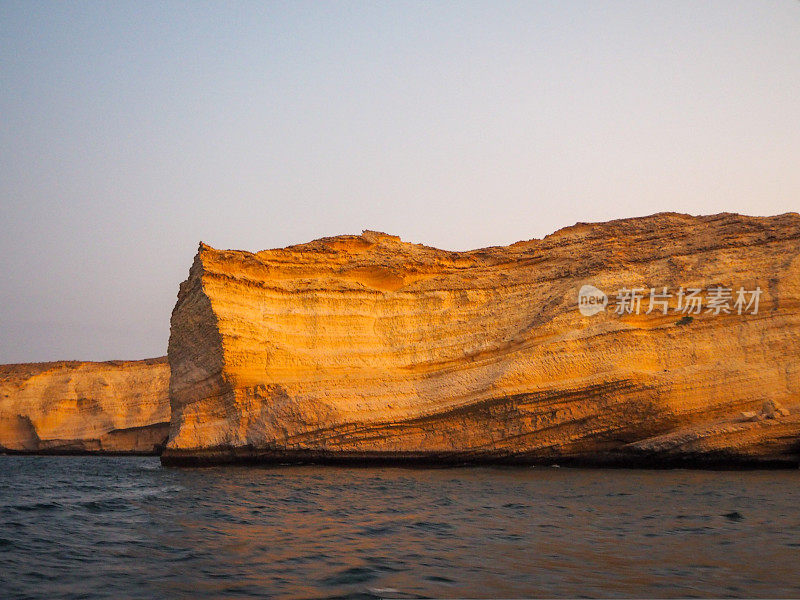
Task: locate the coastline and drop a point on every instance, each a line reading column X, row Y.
column 433, row 460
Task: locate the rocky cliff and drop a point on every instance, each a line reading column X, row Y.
column 77, row 407
column 367, row 348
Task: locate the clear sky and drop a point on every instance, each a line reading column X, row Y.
column 130, row 131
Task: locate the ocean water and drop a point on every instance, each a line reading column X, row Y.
column 91, row 527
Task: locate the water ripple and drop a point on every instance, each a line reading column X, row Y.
column 73, row 527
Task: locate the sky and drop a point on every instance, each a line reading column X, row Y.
column 130, row 131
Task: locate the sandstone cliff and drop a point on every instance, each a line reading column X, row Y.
column 365, row 348
column 75, row 407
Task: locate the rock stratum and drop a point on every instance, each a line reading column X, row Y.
column 71, row 407
column 368, row 349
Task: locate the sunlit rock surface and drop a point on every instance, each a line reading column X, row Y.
column 76, row 407
column 366, row 348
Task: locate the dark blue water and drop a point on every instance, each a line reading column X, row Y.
column 75, row 527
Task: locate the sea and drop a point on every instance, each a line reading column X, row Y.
column 126, row 527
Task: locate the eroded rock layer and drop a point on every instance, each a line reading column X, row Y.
column 367, row 348
column 78, row 407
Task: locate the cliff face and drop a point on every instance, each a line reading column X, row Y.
column 64, row 407
column 369, row 348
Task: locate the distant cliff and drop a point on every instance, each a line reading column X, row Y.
column 366, row 348
column 77, row 407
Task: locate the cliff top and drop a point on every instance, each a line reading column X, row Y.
column 25, row 370
column 666, row 234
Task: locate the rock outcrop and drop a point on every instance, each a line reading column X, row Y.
column 85, row 407
column 366, row 348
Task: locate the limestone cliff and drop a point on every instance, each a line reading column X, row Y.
column 367, row 348
column 76, row 407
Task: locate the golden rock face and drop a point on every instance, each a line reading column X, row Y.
column 367, row 347
column 117, row 406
